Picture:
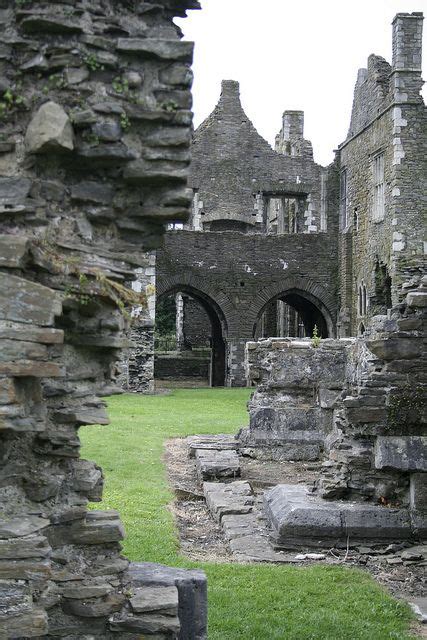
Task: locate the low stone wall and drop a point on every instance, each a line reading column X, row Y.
column 175, row 366
column 299, row 388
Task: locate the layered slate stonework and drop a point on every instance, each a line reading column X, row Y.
column 374, row 479
column 96, row 124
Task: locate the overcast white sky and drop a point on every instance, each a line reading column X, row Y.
column 291, row 54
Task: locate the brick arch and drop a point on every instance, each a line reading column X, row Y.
column 306, row 288
column 188, row 282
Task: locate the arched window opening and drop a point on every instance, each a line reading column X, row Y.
column 290, row 315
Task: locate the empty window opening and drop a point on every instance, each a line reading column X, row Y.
column 290, row 315
column 343, row 199
column 378, row 187
column 382, row 298
column 284, row 214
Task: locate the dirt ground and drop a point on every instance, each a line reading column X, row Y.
column 202, row 539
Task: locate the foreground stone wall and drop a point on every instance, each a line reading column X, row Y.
column 93, row 162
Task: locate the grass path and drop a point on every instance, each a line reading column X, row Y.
column 246, row 602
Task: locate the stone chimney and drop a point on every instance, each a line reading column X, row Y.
column 293, row 125
column 290, row 140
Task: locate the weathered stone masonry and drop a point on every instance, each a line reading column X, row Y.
column 369, row 416
column 263, row 228
column 96, row 124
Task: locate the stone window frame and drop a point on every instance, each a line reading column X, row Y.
column 269, row 196
column 378, row 185
column 362, row 300
column 344, row 199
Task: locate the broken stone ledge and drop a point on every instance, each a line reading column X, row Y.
column 300, row 518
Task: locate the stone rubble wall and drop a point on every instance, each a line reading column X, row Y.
column 299, row 389
column 364, row 400
column 378, row 450
column 96, row 123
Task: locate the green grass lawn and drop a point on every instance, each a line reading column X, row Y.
column 246, row 602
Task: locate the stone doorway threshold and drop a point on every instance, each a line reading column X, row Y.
column 244, row 533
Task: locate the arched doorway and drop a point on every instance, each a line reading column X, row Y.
column 293, row 313
column 199, row 326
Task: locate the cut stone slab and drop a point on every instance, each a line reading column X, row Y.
column 225, row 499
column 13, row 250
column 18, row 527
column 217, row 464
column 49, row 130
column 31, row 303
column 256, row 548
column 192, row 594
column 299, row 518
column 405, row 453
column 206, row 442
column 155, row 598
column 32, row 624
column 238, row 525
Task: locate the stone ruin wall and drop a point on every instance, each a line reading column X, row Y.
column 357, row 403
column 96, row 124
column 388, row 117
column 360, row 403
column 239, row 274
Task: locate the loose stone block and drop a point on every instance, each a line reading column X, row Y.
column 217, row 464
column 192, row 594
column 167, row 49
column 418, row 492
column 12, row 251
column 50, row 129
column 23, row 526
column 31, row 303
column 164, row 600
column 226, row 499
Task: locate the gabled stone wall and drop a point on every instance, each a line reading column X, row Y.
column 95, row 100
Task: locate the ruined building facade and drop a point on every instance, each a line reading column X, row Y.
column 360, row 403
column 258, row 218
column 278, row 244
column 96, row 127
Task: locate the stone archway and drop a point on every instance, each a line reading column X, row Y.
column 313, row 304
column 218, row 329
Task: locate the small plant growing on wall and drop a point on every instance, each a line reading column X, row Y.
column 315, row 338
